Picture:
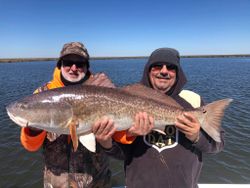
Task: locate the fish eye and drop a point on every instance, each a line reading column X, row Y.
column 22, row 105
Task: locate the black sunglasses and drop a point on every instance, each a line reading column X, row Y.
column 158, row 67
column 69, row 63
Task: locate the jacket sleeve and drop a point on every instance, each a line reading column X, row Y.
column 116, row 151
column 122, row 137
column 29, row 142
column 32, row 142
column 207, row 145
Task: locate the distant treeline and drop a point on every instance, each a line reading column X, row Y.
column 10, row 60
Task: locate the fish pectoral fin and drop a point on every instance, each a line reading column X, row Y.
column 72, row 129
column 88, row 141
column 159, row 131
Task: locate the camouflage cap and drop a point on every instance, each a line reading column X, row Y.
column 73, row 48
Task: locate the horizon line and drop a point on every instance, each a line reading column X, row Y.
column 8, row 60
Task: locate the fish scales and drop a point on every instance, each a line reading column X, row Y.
column 109, row 104
column 119, row 104
column 53, row 110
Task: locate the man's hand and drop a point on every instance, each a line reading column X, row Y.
column 189, row 125
column 142, row 126
column 34, row 131
column 104, row 130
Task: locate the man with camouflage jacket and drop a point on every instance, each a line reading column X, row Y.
column 63, row 166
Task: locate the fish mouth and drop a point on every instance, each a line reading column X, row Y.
column 18, row 120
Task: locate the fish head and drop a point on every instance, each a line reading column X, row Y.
column 19, row 112
column 43, row 114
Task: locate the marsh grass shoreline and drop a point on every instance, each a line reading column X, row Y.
column 12, row 60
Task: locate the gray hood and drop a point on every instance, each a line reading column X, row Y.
column 168, row 56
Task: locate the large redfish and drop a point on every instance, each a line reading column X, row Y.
column 73, row 109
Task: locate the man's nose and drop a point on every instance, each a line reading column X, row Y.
column 73, row 67
column 164, row 69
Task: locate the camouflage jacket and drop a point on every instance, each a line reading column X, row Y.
column 66, row 168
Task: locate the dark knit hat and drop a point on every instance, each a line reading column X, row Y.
column 76, row 48
column 165, row 55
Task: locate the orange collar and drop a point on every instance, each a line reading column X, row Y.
column 56, row 81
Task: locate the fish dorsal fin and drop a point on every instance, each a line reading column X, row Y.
column 100, row 79
column 149, row 93
column 88, row 141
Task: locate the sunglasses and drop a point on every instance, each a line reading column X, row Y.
column 158, row 67
column 70, row 63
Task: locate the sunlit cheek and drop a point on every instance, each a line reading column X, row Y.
column 65, row 69
column 152, row 78
column 156, row 83
column 172, row 73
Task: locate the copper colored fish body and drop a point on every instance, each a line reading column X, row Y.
column 55, row 110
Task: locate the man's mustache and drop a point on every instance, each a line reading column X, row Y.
column 163, row 76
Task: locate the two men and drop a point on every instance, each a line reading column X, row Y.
column 173, row 159
column 152, row 159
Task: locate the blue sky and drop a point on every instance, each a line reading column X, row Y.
column 39, row 28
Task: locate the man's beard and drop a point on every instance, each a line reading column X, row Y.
column 79, row 77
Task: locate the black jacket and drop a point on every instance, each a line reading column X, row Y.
column 170, row 161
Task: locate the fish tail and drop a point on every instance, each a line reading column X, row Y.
column 214, row 114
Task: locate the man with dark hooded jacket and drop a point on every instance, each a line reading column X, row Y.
column 156, row 160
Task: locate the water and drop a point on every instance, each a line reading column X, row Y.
column 213, row 78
